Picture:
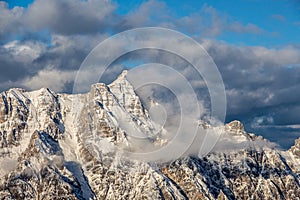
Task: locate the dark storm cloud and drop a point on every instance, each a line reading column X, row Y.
column 262, row 85
column 16, row 61
column 64, row 55
column 26, row 63
column 266, row 77
column 9, row 67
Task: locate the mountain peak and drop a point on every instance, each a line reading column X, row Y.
column 121, row 76
column 124, row 73
column 43, row 91
column 235, row 126
column 121, row 82
column 296, row 148
column 54, row 150
column 17, row 89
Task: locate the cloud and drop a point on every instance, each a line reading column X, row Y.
column 11, row 20
column 297, row 23
column 53, row 79
column 278, row 17
column 16, row 59
column 149, row 13
column 66, row 17
column 69, row 16
column 248, row 28
column 206, row 22
column 264, row 76
column 211, row 22
column 72, row 35
column 25, row 51
column 99, row 16
column 22, row 60
column 260, row 83
column 262, row 121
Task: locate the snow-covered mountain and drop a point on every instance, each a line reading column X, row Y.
column 62, row 146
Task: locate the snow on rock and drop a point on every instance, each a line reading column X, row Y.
column 296, row 148
column 236, row 126
column 60, row 146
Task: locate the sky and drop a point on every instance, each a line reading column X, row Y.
column 254, row 43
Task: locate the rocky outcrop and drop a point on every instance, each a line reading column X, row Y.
column 295, row 150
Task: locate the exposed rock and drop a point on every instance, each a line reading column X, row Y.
column 296, row 148
column 59, row 146
column 236, row 126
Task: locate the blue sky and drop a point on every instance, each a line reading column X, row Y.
column 279, row 19
column 23, row 3
column 255, row 44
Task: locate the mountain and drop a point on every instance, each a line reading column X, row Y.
column 65, row 146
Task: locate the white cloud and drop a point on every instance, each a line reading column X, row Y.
column 54, row 79
column 11, row 20
column 25, row 51
column 247, row 28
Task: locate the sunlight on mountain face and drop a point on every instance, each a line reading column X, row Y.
column 79, row 141
column 149, row 99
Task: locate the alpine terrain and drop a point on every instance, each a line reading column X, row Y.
column 63, row 146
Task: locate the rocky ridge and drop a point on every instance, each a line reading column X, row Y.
column 59, row 146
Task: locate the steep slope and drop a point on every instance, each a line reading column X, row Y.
column 59, row 146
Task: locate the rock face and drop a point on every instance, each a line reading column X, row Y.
column 59, row 146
